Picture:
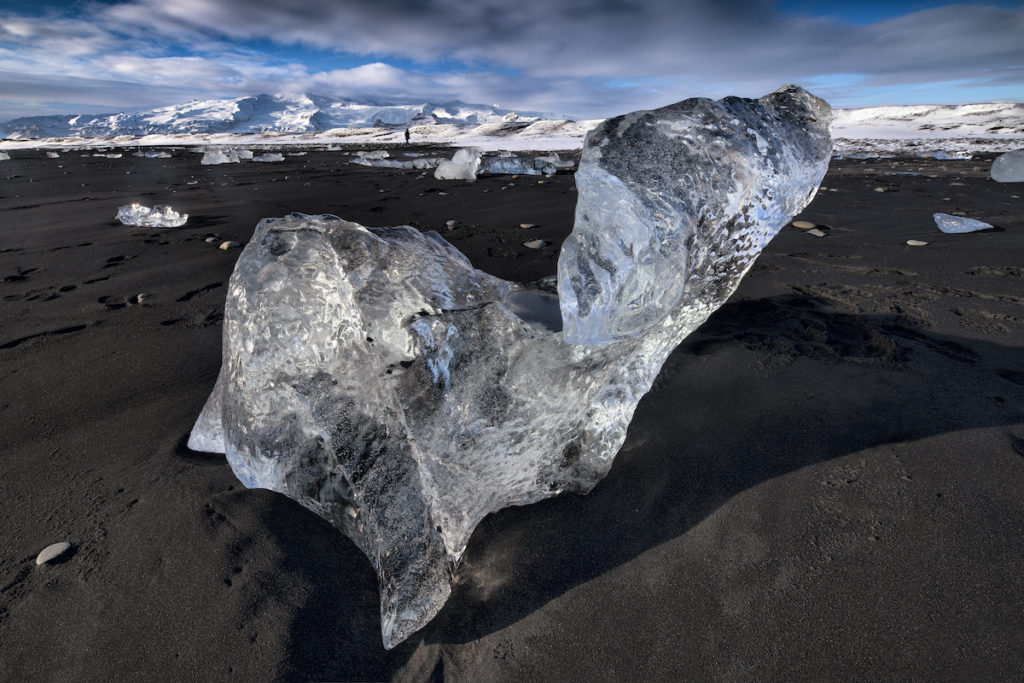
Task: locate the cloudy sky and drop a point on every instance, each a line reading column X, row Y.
column 579, row 58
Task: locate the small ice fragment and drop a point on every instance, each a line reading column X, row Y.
column 958, row 224
column 229, row 245
column 4, row 156
column 52, row 552
column 536, row 244
column 916, row 243
column 53, row 155
column 462, row 166
column 269, row 156
column 1009, row 167
column 160, row 216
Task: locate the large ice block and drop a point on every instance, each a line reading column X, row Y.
column 1009, row 167
column 377, row 378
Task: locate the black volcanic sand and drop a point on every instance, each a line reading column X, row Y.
column 826, row 482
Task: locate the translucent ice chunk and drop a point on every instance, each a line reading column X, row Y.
column 1009, row 167
column 269, row 156
column 508, row 165
column 213, row 157
column 243, row 154
column 160, row 216
column 53, row 155
column 462, row 166
column 958, row 224
column 411, row 164
column 377, row 378
column 375, row 154
column 4, row 156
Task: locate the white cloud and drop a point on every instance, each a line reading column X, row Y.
column 582, row 57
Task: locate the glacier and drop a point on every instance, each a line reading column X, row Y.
column 380, row 380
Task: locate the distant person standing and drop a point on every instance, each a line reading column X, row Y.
column 407, row 136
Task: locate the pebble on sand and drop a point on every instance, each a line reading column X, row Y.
column 916, row 243
column 815, row 232
column 52, row 552
column 879, row 189
column 228, row 245
column 451, row 223
column 139, row 298
column 536, row 244
column 803, row 225
column 211, row 240
column 527, row 226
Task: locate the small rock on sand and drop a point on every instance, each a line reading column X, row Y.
column 803, row 225
column 139, row 298
column 228, row 245
column 52, row 552
column 451, row 223
column 916, row 243
column 536, row 244
column 527, row 226
column 815, row 232
column 879, row 189
column 211, row 240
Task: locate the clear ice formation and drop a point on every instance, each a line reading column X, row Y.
column 214, row 157
column 4, row 156
column 269, row 156
column 958, row 224
column 1009, row 167
column 462, row 166
column 160, row 216
column 377, row 378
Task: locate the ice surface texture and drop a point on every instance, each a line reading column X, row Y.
column 160, row 216
column 376, row 377
column 958, row 224
column 462, row 166
column 1009, row 167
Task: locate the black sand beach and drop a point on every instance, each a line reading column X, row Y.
column 826, row 482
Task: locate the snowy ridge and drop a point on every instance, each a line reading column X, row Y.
column 994, row 119
column 277, row 120
column 257, row 114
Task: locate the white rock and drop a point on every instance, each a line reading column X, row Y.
column 815, row 232
column 527, row 226
column 803, row 225
column 52, row 552
column 958, row 224
column 210, row 240
column 916, row 243
column 536, row 244
column 229, row 245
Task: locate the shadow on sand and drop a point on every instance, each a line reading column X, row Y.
column 764, row 388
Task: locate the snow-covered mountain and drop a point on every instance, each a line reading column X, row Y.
column 258, row 114
column 992, row 120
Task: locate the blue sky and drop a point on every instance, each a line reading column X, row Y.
column 579, row 58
